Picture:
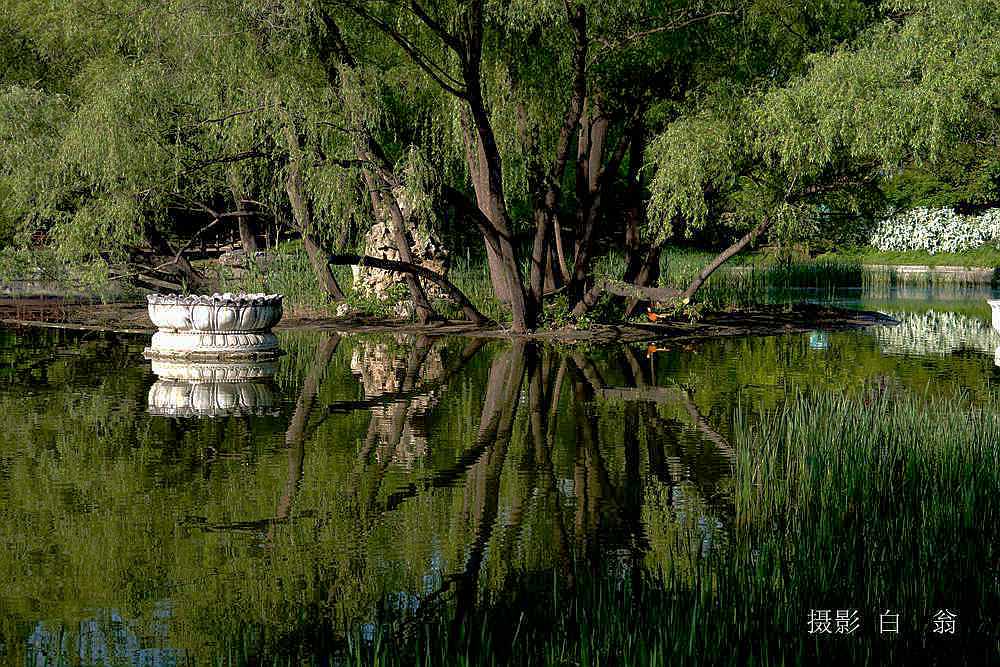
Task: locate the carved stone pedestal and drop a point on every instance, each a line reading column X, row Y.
column 217, row 327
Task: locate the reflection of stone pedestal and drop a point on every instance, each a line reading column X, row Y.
column 214, row 328
column 995, row 305
column 212, row 390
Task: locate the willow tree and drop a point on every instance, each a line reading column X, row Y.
column 520, row 83
column 529, row 122
column 157, row 124
column 553, row 103
column 911, row 90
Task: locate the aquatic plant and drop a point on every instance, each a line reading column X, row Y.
column 881, row 502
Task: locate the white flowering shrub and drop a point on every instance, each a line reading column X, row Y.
column 936, row 230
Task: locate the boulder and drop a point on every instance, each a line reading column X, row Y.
column 427, row 250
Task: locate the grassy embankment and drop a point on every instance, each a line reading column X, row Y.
column 985, row 257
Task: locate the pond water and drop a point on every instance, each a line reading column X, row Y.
column 146, row 521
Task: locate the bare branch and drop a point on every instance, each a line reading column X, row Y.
column 676, row 24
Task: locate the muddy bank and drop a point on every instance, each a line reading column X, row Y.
column 132, row 318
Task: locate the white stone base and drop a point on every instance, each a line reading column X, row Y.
column 216, row 327
column 213, row 346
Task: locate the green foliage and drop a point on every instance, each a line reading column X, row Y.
column 913, row 90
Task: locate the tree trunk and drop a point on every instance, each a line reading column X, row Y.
column 549, row 194
column 489, row 194
column 723, row 257
column 384, row 203
column 319, row 260
column 246, row 223
column 560, row 252
column 302, row 213
column 592, row 189
column 475, row 159
column 643, row 259
column 647, row 273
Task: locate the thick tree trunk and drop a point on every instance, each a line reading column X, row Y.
column 485, row 166
column 475, row 159
column 592, row 188
column 723, row 257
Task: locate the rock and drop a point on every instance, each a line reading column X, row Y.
column 403, row 309
column 343, row 310
column 238, row 259
column 427, row 250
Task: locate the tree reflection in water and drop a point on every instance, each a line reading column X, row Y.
column 408, row 477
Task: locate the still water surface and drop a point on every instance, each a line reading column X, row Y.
column 143, row 519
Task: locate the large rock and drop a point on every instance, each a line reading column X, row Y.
column 427, row 250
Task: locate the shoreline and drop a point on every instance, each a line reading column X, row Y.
column 132, row 319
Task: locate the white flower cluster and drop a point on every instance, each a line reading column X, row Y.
column 936, row 230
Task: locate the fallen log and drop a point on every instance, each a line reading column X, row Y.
column 471, row 312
